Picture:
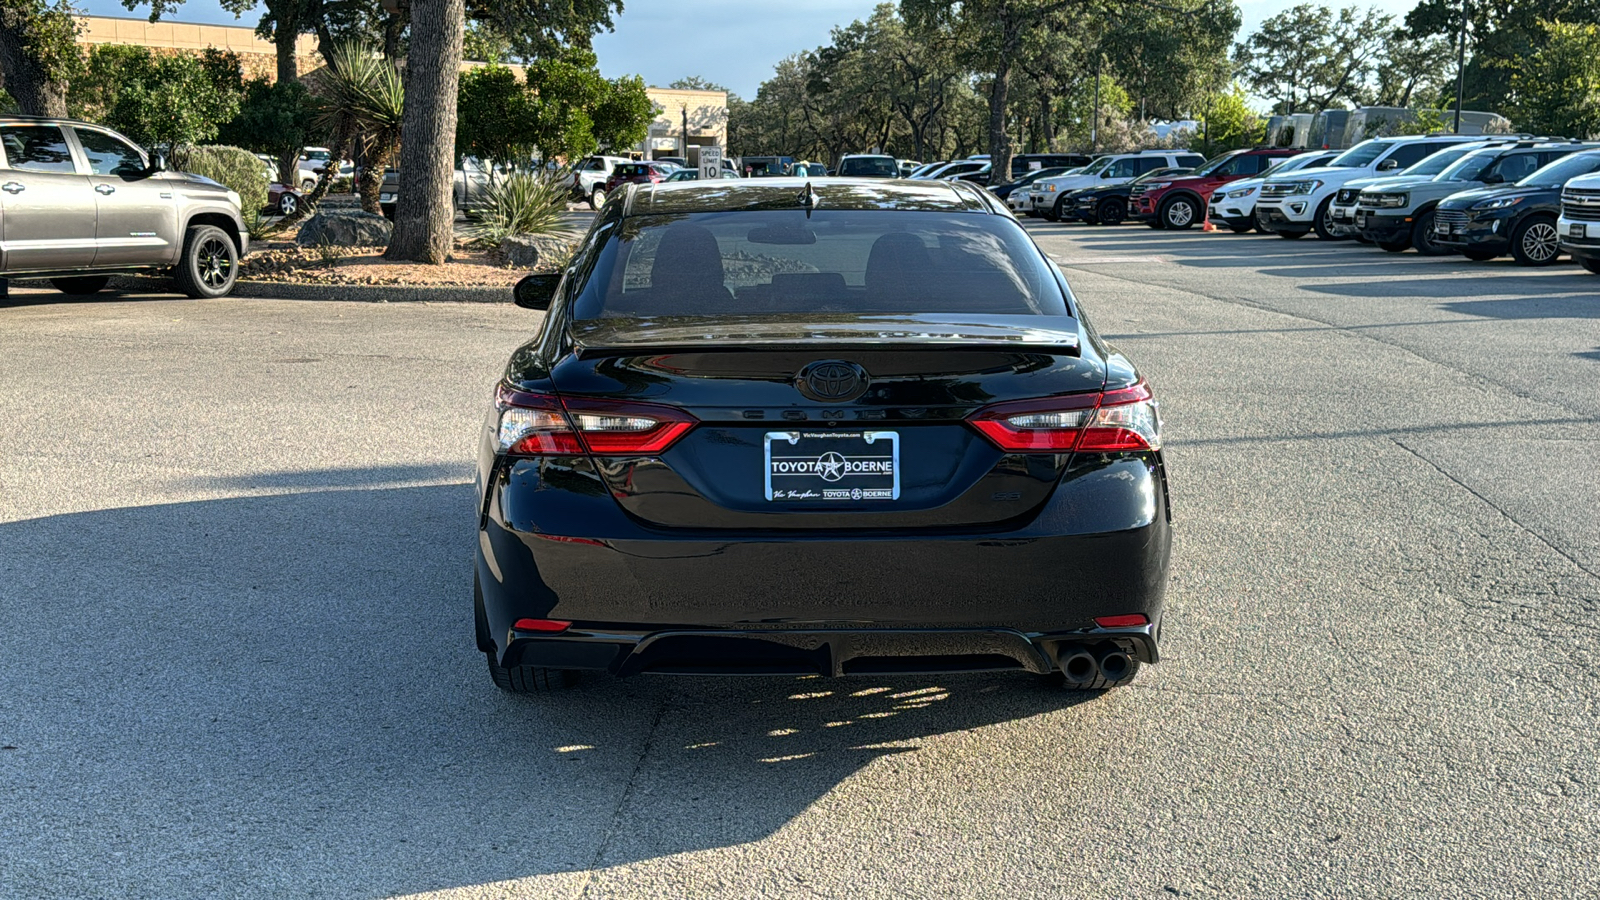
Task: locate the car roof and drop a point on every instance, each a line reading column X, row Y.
column 786, row 193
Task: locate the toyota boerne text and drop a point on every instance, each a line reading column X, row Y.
column 825, row 427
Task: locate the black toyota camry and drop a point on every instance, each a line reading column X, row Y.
column 831, row 427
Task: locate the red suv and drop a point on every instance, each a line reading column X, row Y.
column 636, row 173
column 1180, row 203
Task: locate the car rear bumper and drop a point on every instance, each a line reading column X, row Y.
column 1098, row 547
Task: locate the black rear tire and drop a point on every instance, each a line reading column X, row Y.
column 81, row 285
column 209, row 265
column 1534, row 241
column 1591, row 263
column 1241, row 229
column 1292, row 235
column 1112, row 212
column 1397, row 246
column 1053, row 214
column 288, row 204
column 1479, row 255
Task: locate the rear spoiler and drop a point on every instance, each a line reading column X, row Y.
column 614, row 336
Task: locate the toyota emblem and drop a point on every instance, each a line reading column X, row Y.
column 832, row 380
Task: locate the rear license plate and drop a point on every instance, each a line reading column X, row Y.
column 1444, row 227
column 833, row 466
column 1577, row 231
column 385, row 198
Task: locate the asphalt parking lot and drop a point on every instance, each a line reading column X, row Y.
column 237, row 661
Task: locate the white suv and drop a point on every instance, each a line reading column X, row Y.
column 1045, row 195
column 1578, row 229
column 1293, row 205
column 589, row 178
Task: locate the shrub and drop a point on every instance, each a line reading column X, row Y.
column 235, row 167
column 520, row 203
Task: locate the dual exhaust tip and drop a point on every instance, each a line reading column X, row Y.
column 1085, row 666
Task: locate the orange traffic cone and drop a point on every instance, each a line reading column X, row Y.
column 1205, row 221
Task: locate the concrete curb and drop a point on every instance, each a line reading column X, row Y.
column 345, row 293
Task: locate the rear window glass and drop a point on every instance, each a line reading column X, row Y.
column 1362, row 154
column 880, row 166
column 631, row 170
column 777, row 262
column 37, row 148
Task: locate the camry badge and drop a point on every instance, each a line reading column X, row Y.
column 832, row 380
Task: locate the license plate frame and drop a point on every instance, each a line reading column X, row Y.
column 1578, row 230
column 816, row 466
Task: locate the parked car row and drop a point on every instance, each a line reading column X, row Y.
column 1526, row 196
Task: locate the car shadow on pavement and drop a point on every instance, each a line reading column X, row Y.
column 278, row 696
column 1547, row 298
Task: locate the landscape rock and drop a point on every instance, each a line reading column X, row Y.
column 345, row 228
column 530, row 251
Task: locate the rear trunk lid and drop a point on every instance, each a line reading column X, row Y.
column 843, row 422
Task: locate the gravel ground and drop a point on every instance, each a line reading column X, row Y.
column 236, row 661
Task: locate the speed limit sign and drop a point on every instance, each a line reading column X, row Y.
column 710, row 163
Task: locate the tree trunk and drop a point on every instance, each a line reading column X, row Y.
column 378, row 157
column 289, row 169
column 27, row 81
column 284, row 40
column 999, row 100
column 425, row 217
column 999, row 140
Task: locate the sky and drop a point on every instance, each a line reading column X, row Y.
column 734, row 43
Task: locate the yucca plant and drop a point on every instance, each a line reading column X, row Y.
column 363, row 100
column 520, row 203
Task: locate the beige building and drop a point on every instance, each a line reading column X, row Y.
column 701, row 116
column 259, row 57
column 703, row 113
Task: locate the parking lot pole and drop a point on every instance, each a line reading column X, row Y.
column 1461, row 62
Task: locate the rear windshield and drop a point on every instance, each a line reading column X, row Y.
column 778, row 262
column 632, row 169
column 881, row 166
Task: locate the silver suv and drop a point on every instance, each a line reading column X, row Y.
column 80, row 203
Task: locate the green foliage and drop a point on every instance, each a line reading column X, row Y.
column 491, row 114
column 1557, row 89
column 1309, row 58
column 1500, row 36
column 695, row 83
column 235, row 167
column 520, row 203
column 1170, row 58
column 165, row 100
column 564, row 108
column 1430, row 121
column 1230, row 123
column 622, row 117
column 541, row 28
column 38, row 40
column 362, row 101
column 274, row 118
column 482, row 42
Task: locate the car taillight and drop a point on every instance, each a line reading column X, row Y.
column 542, row 425
column 1121, row 419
